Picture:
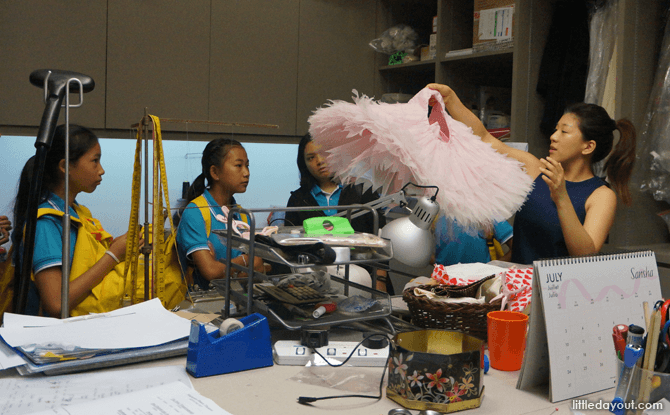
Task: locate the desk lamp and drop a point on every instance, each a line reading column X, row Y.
column 412, row 240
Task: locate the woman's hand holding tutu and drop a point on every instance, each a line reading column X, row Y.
column 444, row 90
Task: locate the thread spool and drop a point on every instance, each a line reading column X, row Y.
column 229, row 325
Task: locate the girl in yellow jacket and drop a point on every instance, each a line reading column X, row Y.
column 96, row 275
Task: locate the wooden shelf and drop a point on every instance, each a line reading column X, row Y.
column 411, row 66
column 482, row 57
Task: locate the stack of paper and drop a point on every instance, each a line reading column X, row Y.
column 140, row 332
column 166, row 390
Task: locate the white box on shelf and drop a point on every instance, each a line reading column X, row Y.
column 432, row 47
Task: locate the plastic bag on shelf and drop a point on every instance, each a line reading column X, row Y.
column 603, row 29
column 399, row 38
column 654, row 144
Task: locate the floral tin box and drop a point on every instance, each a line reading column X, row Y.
column 438, row 370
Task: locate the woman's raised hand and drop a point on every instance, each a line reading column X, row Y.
column 554, row 176
column 444, row 90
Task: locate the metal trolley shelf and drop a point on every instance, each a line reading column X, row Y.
column 254, row 302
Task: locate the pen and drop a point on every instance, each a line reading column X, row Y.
column 631, row 356
column 619, row 342
column 635, row 335
column 623, row 329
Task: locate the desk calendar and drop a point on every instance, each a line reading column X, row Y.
column 576, row 303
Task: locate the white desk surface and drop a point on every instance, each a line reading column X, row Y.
column 271, row 391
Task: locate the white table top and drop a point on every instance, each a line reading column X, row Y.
column 271, row 390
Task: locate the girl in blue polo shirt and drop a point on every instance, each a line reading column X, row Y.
column 225, row 171
column 319, row 188
column 96, row 274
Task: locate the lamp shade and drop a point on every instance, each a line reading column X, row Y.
column 413, row 243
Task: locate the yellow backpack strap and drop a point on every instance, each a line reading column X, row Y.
column 490, row 244
column 55, row 212
column 202, row 203
column 495, row 249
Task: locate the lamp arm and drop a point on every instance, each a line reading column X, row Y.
column 382, row 202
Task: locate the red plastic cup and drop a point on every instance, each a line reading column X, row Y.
column 507, row 339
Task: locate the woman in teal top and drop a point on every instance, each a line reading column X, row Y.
column 225, row 171
column 570, row 211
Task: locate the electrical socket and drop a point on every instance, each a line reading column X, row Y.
column 293, row 353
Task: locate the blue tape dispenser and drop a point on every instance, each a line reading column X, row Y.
column 236, row 346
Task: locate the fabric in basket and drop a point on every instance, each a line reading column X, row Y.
column 517, row 279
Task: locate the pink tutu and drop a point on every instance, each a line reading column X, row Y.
column 391, row 145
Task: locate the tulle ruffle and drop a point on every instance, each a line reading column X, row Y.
column 389, row 145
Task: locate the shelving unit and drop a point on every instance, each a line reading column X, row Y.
column 639, row 36
column 380, row 310
column 511, row 69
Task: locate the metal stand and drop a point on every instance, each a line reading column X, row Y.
column 65, row 283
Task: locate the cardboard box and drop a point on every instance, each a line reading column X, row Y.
column 493, row 25
column 425, row 53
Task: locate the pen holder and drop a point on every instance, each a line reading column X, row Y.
column 645, row 386
column 249, row 347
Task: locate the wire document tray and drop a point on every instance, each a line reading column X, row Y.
column 297, row 315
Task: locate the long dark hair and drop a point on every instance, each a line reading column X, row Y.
column 81, row 140
column 595, row 124
column 307, row 181
column 213, row 155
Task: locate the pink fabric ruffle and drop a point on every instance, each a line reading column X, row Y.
column 388, row 145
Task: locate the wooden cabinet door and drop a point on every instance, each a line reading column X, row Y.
column 254, row 65
column 158, row 57
column 49, row 34
column 334, row 55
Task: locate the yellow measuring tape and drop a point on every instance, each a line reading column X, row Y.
column 166, row 281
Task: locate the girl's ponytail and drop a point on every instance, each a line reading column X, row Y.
column 195, row 190
column 21, row 205
column 619, row 165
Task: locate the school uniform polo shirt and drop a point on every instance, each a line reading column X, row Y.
column 192, row 236
column 49, row 236
column 327, row 199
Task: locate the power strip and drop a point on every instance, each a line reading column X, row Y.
column 293, row 353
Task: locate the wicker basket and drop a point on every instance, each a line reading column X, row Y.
column 463, row 317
